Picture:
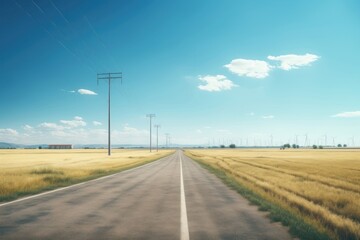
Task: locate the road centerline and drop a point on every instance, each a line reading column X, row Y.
column 183, row 219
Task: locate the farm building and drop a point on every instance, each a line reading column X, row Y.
column 60, row 146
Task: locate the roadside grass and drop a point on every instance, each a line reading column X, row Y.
column 314, row 206
column 28, row 172
column 296, row 225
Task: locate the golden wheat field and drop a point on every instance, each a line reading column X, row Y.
column 26, row 171
column 320, row 186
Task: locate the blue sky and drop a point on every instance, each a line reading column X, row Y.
column 212, row 71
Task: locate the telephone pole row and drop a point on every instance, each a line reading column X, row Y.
column 151, row 115
column 157, row 126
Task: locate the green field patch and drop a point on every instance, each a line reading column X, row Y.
column 44, row 171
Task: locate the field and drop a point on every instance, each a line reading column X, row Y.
column 320, row 187
column 25, row 172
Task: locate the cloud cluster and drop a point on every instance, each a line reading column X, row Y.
column 292, row 61
column 215, row 83
column 258, row 69
column 75, row 131
column 347, row 114
column 261, row 69
column 50, row 126
column 76, row 122
column 249, row 68
column 9, row 132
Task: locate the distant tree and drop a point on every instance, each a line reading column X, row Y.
column 287, row 145
column 297, row 146
column 339, row 145
column 314, row 146
column 40, row 147
column 294, row 146
column 232, row 146
column 345, row 145
column 321, row 147
column 222, row 146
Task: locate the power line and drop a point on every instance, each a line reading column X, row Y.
column 108, row 52
column 85, row 56
column 150, row 115
column 109, row 77
column 56, row 39
column 60, row 12
column 38, row 7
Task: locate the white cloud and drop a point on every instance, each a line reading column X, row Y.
column 9, row 135
column 65, row 124
column 50, row 126
column 268, row 117
column 9, row 132
column 249, row 68
column 199, row 131
column 215, row 83
column 252, row 114
column 73, row 131
column 347, row 114
column 86, row 92
column 76, row 122
column 28, row 127
column 292, row 61
column 96, row 123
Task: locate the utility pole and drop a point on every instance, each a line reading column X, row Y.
column 157, row 126
column 151, row 115
column 109, row 77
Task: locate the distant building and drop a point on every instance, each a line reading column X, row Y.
column 60, row 146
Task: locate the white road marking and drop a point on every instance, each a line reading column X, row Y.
column 183, row 219
column 78, row 184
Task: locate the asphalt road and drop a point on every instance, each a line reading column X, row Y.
column 173, row 198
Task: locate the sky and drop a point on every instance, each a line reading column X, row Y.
column 214, row 72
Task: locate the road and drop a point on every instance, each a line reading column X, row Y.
column 172, row 198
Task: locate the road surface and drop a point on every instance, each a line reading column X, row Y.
column 173, row 198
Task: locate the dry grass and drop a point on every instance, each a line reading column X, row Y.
column 25, row 172
column 320, row 186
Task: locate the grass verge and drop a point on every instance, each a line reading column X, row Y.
column 297, row 226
